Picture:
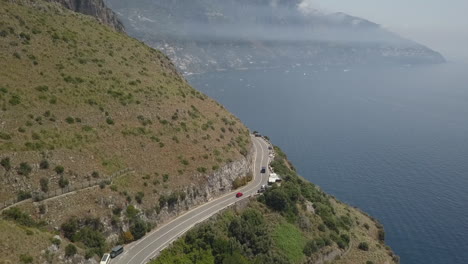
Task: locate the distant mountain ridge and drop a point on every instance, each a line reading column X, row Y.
column 95, row 8
column 207, row 35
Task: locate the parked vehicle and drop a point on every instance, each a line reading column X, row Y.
column 105, row 259
column 263, row 170
column 116, row 251
column 239, row 194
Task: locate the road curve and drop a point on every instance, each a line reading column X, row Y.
column 143, row 250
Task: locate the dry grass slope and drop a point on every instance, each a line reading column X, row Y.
column 79, row 101
column 77, row 94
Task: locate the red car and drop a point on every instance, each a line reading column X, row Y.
column 239, row 194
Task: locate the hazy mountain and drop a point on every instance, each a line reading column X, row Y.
column 205, row 35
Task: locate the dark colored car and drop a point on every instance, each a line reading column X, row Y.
column 239, row 194
column 258, row 135
column 116, row 251
column 263, row 170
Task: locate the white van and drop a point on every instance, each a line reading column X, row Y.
column 105, row 259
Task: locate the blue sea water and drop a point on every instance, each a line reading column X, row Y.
column 391, row 141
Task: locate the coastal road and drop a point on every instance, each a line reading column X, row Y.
column 143, row 250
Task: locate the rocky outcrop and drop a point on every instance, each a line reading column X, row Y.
column 216, row 184
column 95, row 8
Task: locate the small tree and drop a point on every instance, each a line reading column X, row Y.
column 44, row 184
column 70, row 250
column 138, row 229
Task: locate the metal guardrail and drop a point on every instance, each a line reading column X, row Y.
column 41, row 196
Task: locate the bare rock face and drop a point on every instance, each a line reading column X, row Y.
column 95, row 8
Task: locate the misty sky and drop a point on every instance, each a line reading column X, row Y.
column 439, row 24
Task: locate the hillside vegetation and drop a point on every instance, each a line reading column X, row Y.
column 80, row 102
column 294, row 222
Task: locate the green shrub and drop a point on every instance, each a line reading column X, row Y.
column 70, row 250
column 109, row 121
column 165, row 177
column 132, row 212
column 162, row 201
column 25, row 258
column 95, row 174
column 42, row 88
column 59, row 169
column 91, row 238
column 201, row 169
column 23, row 195
column 44, row 165
column 56, row 241
column 321, row 227
column 172, row 199
column 310, row 248
column 139, row 197
column 42, row 209
column 5, row 136
column 117, row 211
column 44, row 182
column 6, row 163
column 24, row 169
column 277, row 200
column 363, row 246
column 139, row 229
column 21, row 218
column 63, row 182
column 381, row 235
column 70, row 120
column 15, row 100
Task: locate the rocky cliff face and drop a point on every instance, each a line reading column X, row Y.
column 217, row 183
column 95, row 8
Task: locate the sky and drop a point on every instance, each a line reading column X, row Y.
column 439, row 24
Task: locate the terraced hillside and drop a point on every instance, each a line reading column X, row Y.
column 80, row 102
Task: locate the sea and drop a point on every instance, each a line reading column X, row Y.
column 392, row 141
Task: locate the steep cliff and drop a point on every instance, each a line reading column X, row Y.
column 80, row 102
column 95, row 8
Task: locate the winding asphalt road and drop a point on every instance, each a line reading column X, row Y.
column 143, row 250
